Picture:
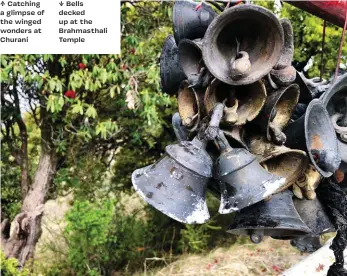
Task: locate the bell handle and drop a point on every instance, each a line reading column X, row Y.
column 222, row 142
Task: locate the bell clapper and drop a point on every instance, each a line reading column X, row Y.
column 231, row 115
column 240, row 65
column 256, row 236
column 277, row 135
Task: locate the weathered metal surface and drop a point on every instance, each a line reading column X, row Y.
column 306, row 184
column 315, row 134
column 247, row 28
column 176, row 184
column 276, row 217
column 242, row 180
column 278, row 160
column 191, row 21
column 181, row 132
column 313, row 214
column 171, row 74
column 248, row 100
column 190, row 106
column 277, row 112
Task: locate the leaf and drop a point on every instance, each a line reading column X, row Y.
column 91, row 111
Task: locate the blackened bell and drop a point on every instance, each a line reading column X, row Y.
column 190, row 57
column 276, row 217
column 335, row 101
column 242, row 180
column 171, row 74
column 307, row 244
column 190, row 106
column 315, row 134
column 242, row 103
column 313, row 214
column 243, row 44
column 284, row 73
column 176, row 184
column 191, row 19
column 278, row 160
column 277, row 111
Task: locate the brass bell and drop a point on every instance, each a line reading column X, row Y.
column 190, row 20
column 278, row 160
column 190, row 106
column 307, row 183
column 276, row 217
column 277, row 111
column 243, row 44
column 176, row 184
column 242, row 180
column 242, row 103
column 171, row 73
column 315, row 134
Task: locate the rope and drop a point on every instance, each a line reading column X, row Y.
column 322, row 56
column 341, row 44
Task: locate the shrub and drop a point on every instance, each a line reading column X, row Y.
column 102, row 239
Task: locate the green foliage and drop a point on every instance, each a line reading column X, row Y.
column 9, row 267
column 102, row 238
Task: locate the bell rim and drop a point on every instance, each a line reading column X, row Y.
column 317, row 103
column 228, row 13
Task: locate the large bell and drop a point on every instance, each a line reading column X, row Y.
column 276, row 217
column 243, row 44
column 315, row 134
column 171, row 74
column 190, row 106
column 191, row 20
column 335, row 101
column 242, row 180
column 243, row 103
column 278, row 160
column 313, row 214
column 176, row 184
column 277, row 111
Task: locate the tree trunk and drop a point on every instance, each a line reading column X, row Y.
column 20, row 244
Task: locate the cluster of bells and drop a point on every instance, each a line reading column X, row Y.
column 250, row 128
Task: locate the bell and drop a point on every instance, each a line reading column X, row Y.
column 190, row 57
column 284, row 73
column 310, row 88
column 313, row 214
column 191, row 20
column 243, row 103
column 306, row 184
column 278, row 160
column 181, row 132
column 171, row 74
column 277, row 111
column 176, row 184
column 243, row 44
column 242, row 180
column 190, row 106
column 276, row 217
column 307, row 244
column 335, row 101
column 314, row 133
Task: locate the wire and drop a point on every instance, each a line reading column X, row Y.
column 322, row 56
column 341, row 44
